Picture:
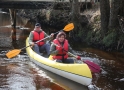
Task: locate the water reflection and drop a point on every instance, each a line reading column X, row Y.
column 18, row 74
column 65, row 83
column 111, row 65
column 14, row 76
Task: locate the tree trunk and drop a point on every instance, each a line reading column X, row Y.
column 75, row 18
column 121, row 11
column 13, row 24
column 75, row 13
column 105, row 11
column 115, row 6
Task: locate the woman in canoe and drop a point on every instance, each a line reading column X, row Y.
column 59, row 49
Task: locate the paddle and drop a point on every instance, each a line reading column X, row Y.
column 15, row 52
column 93, row 67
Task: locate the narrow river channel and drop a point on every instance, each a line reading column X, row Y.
column 20, row 73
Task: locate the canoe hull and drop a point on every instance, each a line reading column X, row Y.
column 79, row 73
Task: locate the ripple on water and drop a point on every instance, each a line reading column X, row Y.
column 5, row 42
column 18, row 74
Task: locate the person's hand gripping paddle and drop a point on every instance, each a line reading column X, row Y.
column 93, row 67
column 15, row 52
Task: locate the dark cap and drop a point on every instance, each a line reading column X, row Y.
column 38, row 25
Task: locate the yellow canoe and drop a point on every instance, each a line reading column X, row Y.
column 79, row 73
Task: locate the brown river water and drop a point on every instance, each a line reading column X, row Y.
column 20, row 73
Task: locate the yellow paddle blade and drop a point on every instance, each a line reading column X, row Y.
column 13, row 53
column 69, row 27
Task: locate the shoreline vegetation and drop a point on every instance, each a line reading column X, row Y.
column 88, row 34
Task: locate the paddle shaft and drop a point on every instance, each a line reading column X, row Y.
column 65, row 50
column 15, row 52
column 37, row 42
column 90, row 64
column 66, row 28
column 84, row 61
column 40, row 40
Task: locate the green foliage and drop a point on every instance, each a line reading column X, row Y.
column 97, row 18
column 89, row 35
column 97, row 36
column 83, row 34
column 94, row 36
column 110, row 39
column 121, row 37
column 80, row 33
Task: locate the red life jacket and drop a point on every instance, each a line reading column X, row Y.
column 38, row 36
column 61, row 54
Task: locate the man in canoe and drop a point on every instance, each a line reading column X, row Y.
column 36, row 35
column 59, row 49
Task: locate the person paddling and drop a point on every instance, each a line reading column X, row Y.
column 60, row 52
column 36, row 35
